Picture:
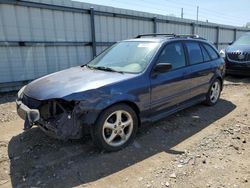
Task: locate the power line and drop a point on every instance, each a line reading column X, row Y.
column 185, row 10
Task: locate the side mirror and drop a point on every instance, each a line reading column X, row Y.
column 230, row 43
column 162, row 67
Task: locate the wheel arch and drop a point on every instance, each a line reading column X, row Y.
column 221, row 81
column 219, row 77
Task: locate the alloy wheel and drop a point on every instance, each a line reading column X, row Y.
column 117, row 128
column 215, row 92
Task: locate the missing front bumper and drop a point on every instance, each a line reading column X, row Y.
column 62, row 126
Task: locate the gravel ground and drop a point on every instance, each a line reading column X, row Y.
column 197, row 147
column 7, row 107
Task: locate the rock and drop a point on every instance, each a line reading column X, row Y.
column 3, row 182
column 24, row 178
column 149, row 185
column 38, row 182
column 167, row 184
column 140, row 178
column 204, row 161
column 179, row 165
column 186, row 161
column 193, row 161
column 244, row 141
column 235, row 147
column 173, row 175
column 237, row 130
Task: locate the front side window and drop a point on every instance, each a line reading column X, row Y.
column 194, row 52
column 128, row 56
column 173, row 53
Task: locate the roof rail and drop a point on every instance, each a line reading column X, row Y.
column 171, row 35
column 156, row 34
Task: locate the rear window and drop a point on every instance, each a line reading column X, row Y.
column 213, row 54
column 194, row 52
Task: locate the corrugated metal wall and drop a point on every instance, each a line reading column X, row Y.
column 38, row 37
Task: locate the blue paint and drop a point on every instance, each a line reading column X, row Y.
column 155, row 96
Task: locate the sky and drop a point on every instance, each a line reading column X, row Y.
column 228, row 12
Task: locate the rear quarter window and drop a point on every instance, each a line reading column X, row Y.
column 212, row 53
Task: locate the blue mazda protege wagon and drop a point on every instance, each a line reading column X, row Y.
column 134, row 81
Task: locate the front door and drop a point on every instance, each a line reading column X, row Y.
column 171, row 88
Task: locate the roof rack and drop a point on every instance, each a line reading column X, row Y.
column 171, row 35
column 156, row 34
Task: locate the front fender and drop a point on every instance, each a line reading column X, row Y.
column 90, row 105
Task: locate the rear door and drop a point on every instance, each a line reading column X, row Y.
column 201, row 68
column 170, row 88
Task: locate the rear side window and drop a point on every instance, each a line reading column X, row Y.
column 213, row 54
column 194, row 52
column 173, row 53
column 205, row 54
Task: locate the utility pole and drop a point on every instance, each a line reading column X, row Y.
column 181, row 12
column 197, row 14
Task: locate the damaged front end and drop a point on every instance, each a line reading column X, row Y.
column 56, row 117
column 60, row 119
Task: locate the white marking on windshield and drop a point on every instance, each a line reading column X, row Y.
column 147, row 45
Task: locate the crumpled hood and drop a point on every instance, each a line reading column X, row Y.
column 72, row 80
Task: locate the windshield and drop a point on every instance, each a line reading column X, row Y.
column 244, row 40
column 130, row 57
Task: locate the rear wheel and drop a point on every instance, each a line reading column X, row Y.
column 115, row 128
column 213, row 94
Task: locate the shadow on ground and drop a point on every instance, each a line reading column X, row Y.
column 37, row 160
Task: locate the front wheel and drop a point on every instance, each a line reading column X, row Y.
column 213, row 94
column 115, row 128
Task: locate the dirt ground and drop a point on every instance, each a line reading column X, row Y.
column 197, row 147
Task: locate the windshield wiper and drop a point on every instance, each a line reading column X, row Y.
column 105, row 69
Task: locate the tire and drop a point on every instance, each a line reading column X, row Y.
column 115, row 128
column 213, row 93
